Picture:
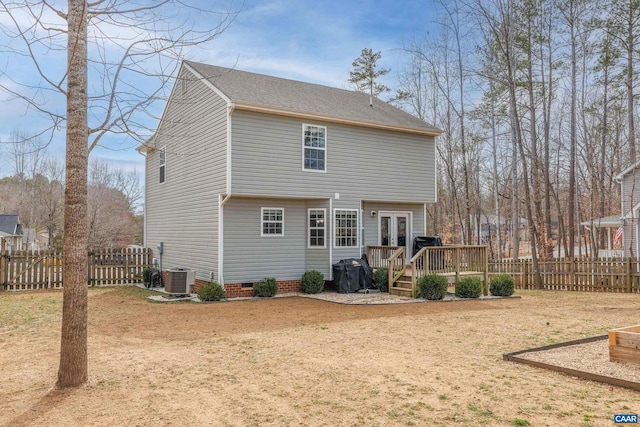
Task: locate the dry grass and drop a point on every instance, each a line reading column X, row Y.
column 297, row 361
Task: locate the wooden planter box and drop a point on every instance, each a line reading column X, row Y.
column 624, row 345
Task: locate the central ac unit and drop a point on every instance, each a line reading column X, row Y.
column 179, row 281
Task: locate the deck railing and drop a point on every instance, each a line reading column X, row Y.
column 378, row 256
column 451, row 260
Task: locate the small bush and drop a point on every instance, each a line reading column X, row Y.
column 146, row 276
column 266, row 287
column 211, row 292
column 469, row 287
column 312, row 282
column 381, row 279
column 432, row 287
column 502, row 285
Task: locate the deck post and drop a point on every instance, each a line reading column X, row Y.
column 457, row 263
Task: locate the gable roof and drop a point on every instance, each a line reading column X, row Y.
column 626, row 171
column 259, row 92
column 10, row 225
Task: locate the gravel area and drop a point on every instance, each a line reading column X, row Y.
column 590, row 357
column 376, row 297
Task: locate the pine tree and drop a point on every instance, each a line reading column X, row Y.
column 365, row 72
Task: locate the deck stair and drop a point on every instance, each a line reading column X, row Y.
column 402, row 287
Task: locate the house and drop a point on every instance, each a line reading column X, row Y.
column 488, row 225
column 622, row 229
column 10, row 233
column 629, row 180
column 251, row 176
column 33, row 240
column 614, row 230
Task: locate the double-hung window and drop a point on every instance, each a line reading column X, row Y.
column 163, row 164
column 316, row 221
column 314, row 148
column 272, row 222
column 346, row 228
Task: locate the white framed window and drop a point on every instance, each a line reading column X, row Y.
column 346, row 228
column 316, row 223
column 163, row 164
column 272, row 222
column 314, row 148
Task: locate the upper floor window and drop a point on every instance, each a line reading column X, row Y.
column 272, row 223
column 314, row 146
column 163, row 164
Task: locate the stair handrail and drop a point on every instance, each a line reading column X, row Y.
column 418, row 262
column 396, row 266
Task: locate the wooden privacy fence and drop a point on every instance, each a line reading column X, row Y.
column 30, row 270
column 573, row 274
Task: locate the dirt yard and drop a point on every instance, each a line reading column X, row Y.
column 305, row 362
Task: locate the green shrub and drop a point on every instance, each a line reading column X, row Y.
column 146, row 276
column 469, row 287
column 502, row 285
column 211, row 292
column 312, row 282
column 266, row 287
column 381, row 279
column 432, row 287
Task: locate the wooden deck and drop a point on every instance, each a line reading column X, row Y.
column 453, row 261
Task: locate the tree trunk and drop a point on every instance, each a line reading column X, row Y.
column 73, row 369
column 630, row 100
column 573, row 136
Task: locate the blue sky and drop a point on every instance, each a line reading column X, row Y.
column 313, row 41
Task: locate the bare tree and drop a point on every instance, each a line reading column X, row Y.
column 115, row 44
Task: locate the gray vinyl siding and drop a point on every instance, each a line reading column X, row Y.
column 248, row 256
column 362, row 163
column 630, row 198
column 630, row 191
column 182, row 212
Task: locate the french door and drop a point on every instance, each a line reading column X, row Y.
column 395, row 230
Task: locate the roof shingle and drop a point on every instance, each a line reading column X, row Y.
column 243, row 87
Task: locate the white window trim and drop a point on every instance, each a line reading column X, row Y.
column 324, row 228
column 335, row 229
column 163, row 151
column 315, row 148
column 262, row 222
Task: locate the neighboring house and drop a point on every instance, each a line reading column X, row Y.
column 629, row 180
column 32, row 240
column 613, row 225
column 10, row 233
column 250, row 176
column 488, row 224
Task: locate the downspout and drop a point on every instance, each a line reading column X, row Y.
column 330, row 239
column 221, row 202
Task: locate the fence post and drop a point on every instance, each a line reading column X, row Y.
column 628, row 274
column 2, row 269
column 525, row 273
